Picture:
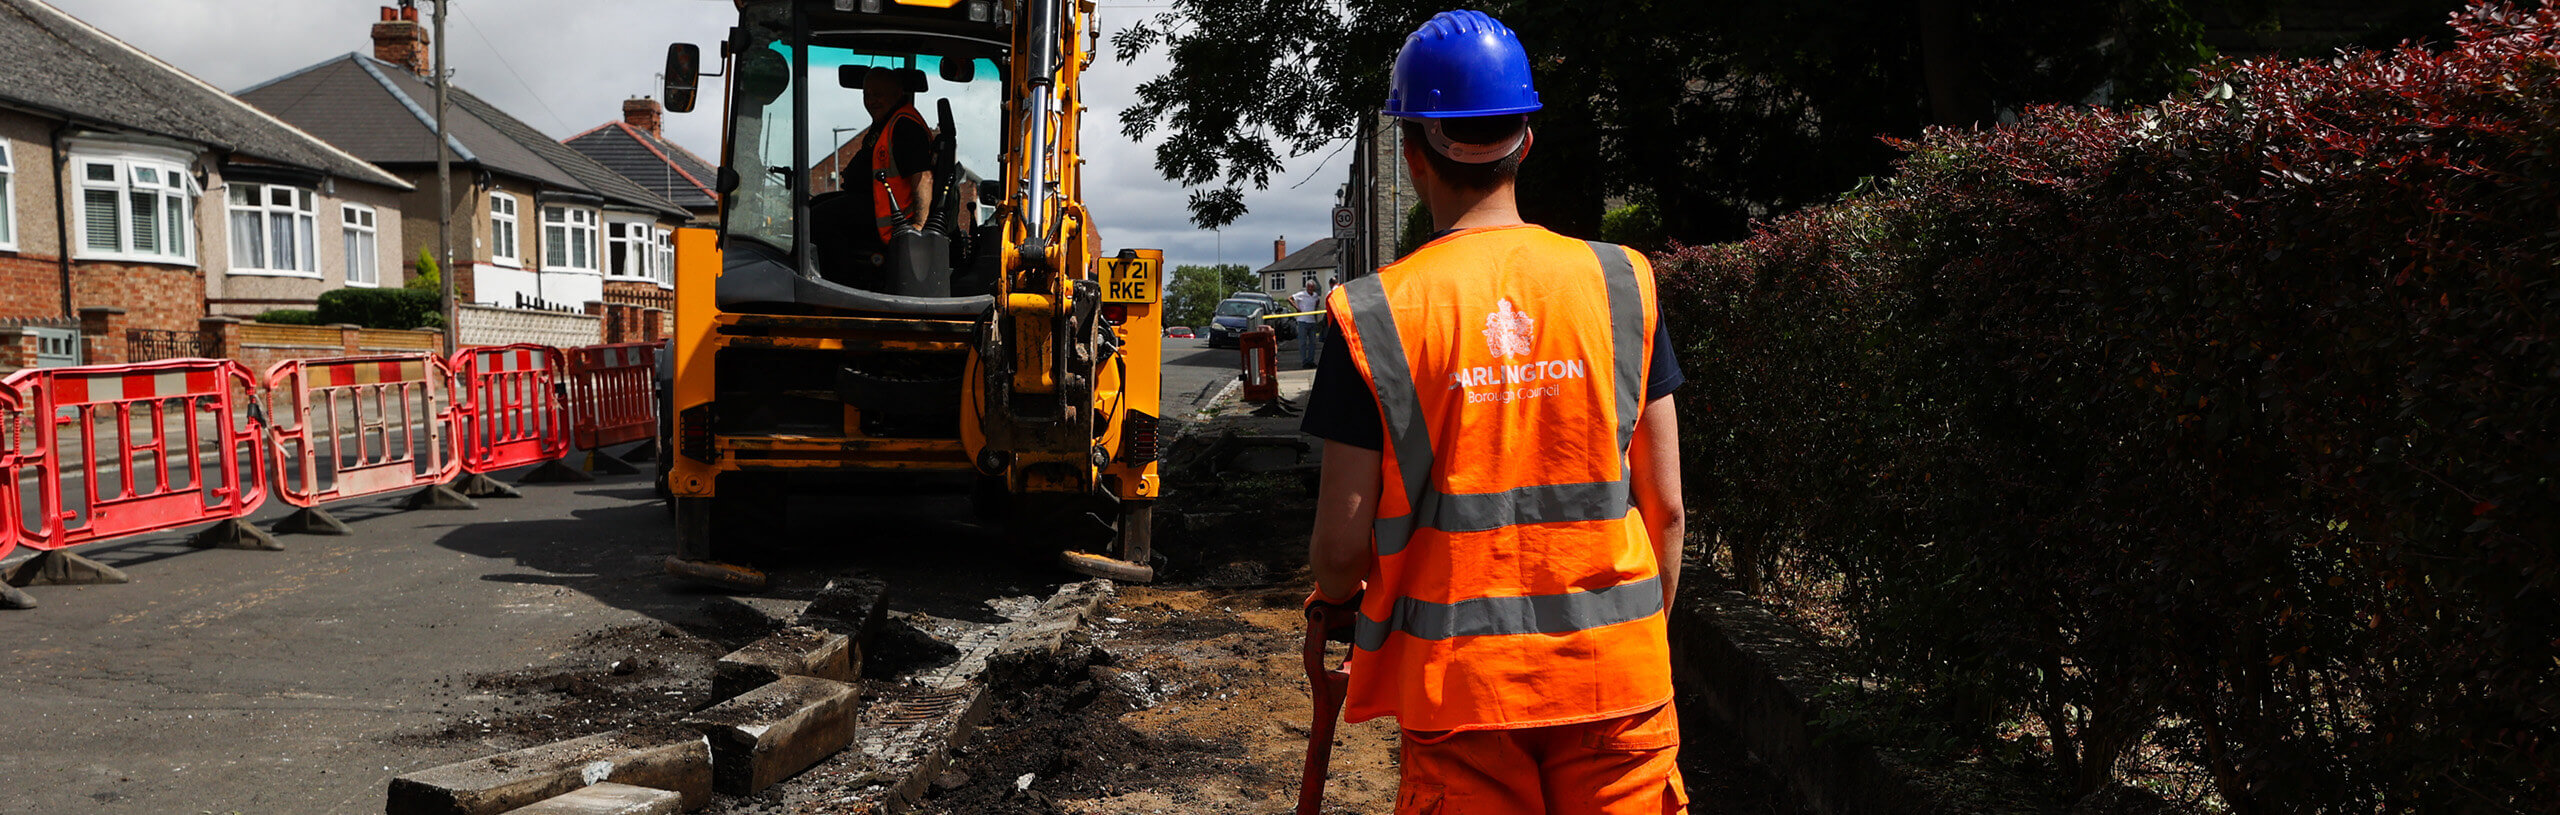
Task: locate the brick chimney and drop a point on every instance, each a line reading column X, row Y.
column 1280, row 249
column 399, row 39
column 644, row 113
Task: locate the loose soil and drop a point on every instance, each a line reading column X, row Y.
column 1192, row 697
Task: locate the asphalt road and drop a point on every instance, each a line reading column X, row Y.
column 301, row 681
column 1194, row 372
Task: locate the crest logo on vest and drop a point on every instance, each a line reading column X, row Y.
column 1508, row 333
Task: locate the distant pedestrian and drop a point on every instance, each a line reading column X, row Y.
column 1500, row 503
column 1310, row 307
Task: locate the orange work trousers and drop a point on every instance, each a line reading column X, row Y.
column 1629, row 765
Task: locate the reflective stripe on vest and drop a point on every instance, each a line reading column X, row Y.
column 1476, row 512
column 890, row 192
column 1534, row 614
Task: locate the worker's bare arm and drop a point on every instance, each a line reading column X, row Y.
column 1656, row 465
column 922, row 183
column 1339, row 552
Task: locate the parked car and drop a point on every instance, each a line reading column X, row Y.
column 1268, row 301
column 1179, row 332
column 1235, row 315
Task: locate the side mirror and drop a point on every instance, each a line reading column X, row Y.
column 958, row 69
column 684, row 76
column 850, row 76
column 991, row 192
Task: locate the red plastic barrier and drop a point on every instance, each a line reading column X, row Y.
column 99, row 448
column 357, row 426
column 512, row 414
column 1260, row 350
column 614, row 388
column 12, row 427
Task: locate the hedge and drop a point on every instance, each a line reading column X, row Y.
column 381, row 308
column 289, row 316
column 2220, row 433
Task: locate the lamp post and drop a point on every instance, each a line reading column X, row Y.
column 835, row 158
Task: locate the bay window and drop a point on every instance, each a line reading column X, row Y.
column 568, row 239
column 135, row 208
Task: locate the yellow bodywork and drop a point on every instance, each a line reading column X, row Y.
column 1086, row 449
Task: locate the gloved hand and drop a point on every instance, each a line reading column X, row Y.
column 1335, row 618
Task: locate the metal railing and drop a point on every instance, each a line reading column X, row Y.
column 147, row 344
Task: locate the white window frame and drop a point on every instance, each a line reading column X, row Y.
column 639, row 253
column 506, row 230
column 273, row 206
column 578, row 229
column 169, row 184
column 8, row 199
column 358, row 223
column 666, row 247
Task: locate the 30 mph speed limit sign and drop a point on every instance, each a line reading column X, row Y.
column 1343, row 222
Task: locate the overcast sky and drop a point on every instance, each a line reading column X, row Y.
column 566, row 65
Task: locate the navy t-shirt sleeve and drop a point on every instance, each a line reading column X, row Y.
column 910, row 146
column 1342, row 408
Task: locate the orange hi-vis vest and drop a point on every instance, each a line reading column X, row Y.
column 1515, row 583
column 891, row 193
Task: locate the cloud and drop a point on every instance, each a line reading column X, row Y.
column 564, row 66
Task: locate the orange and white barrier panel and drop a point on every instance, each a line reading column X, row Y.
column 116, row 450
column 615, row 390
column 358, row 426
column 512, row 406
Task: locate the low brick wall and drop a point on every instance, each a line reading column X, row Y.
column 262, row 345
column 486, row 325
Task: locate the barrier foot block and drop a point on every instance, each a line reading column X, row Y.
column 312, row 521
column 437, row 496
column 62, row 568
column 599, row 461
column 644, row 451
column 236, row 534
column 477, row 485
column 12, row 598
column 554, row 472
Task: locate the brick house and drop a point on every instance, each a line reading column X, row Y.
column 143, row 200
column 1319, row 263
column 535, row 224
column 637, row 149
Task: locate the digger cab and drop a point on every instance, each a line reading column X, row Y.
column 817, row 216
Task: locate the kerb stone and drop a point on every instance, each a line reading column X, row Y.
column 773, row 732
column 793, row 651
column 663, row 757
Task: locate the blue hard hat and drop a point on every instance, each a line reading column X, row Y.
column 1461, row 63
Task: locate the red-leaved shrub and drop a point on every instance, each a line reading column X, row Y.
column 2226, row 428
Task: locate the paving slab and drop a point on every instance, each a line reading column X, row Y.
column 609, row 798
column 668, row 758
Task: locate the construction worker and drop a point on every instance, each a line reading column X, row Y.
column 1307, row 303
column 1499, row 517
column 900, row 148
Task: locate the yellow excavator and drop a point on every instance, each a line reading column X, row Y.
column 994, row 346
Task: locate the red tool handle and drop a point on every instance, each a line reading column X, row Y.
column 1329, row 684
